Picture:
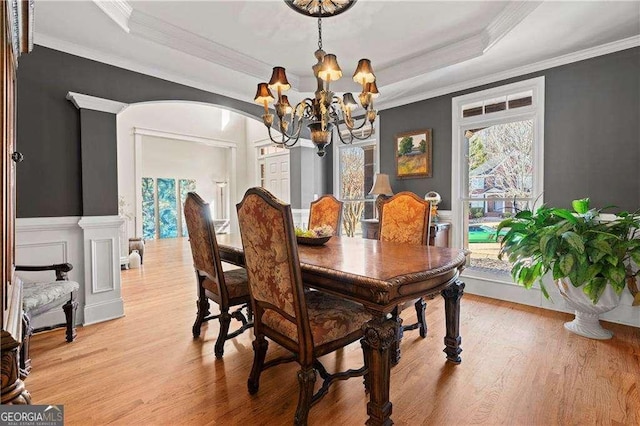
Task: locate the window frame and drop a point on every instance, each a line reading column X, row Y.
column 459, row 168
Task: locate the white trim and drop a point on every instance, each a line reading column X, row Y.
column 118, row 10
column 100, row 222
column 222, row 143
column 569, row 58
column 507, row 20
column 63, row 244
column 103, row 311
column 94, row 103
column 108, row 283
column 166, row 34
column 131, row 65
column 39, row 224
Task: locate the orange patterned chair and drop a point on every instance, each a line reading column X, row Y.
column 326, row 210
column 227, row 289
column 405, row 218
column 308, row 324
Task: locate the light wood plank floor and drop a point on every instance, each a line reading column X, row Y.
column 519, row 367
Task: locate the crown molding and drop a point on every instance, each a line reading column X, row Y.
column 131, row 65
column 581, row 55
column 156, row 30
column 507, row 20
column 118, row 10
column 94, row 103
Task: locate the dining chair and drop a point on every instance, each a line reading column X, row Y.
column 406, row 218
column 226, row 288
column 326, row 210
column 308, row 324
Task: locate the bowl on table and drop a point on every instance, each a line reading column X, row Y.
column 313, row 241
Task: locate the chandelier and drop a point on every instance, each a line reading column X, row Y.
column 325, row 110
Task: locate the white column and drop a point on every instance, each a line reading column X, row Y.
column 102, row 290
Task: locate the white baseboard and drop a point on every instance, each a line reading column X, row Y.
column 103, row 311
column 623, row 314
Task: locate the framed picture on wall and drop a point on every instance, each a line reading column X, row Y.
column 413, row 154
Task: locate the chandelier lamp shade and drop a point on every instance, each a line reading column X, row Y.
column 326, row 110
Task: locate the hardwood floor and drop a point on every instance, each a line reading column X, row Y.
column 519, row 366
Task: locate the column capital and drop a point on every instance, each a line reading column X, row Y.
column 82, row 101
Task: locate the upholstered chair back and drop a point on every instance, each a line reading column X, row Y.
column 405, row 218
column 202, row 237
column 326, row 210
column 271, row 259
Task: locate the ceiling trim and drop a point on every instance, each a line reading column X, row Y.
column 164, row 33
column 507, row 20
column 94, row 103
column 128, row 64
column 580, row 55
column 118, row 10
column 219, row 143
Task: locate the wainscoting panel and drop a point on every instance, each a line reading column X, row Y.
column 102, row 290
column 46, row 241
column 102, row 265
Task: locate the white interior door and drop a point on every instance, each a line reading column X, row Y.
column 277, row 175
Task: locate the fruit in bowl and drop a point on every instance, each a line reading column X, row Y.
column 317, row 232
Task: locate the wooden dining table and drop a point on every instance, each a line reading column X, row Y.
column 380, row 275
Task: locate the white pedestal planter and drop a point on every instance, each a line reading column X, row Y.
column 587, row 323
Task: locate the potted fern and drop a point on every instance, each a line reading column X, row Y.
column 590, row 257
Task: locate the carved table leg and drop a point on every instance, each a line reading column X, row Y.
column 396, row 352
column 452, row 340
column 13, row 389
column 379, row 336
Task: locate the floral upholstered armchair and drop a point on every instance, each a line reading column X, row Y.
column 44, row 296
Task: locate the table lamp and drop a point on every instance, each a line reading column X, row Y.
column 434, row 198
column 381, row 186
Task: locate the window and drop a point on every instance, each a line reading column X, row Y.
column 355, row 166
column 497, row 167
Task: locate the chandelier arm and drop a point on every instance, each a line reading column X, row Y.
column 287, row 141
column 352, row 135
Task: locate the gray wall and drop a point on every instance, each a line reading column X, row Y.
column 592, row 133
column 48, row 134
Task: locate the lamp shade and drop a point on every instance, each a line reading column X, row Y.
column 284, row 101
column 381, row 185
column 279, row 80
column 348, row 101
column 372, row 88
column 263, row 94
column 364, row 72
column 330, row 70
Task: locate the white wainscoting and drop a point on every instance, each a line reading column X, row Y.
column 47, row 241
column 91, row 245
column 102, row 292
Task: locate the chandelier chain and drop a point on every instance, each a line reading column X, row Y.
column 320, row 33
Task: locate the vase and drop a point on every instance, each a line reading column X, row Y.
column 586, row 322
column 134, row 259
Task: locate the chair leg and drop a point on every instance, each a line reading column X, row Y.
column 306, row 380
column 421, row 306
column 396, row 353
column 225, row 321
column 366, row 377
column 260, row 346
column 70, row 309
column 202, row 305
column 25, row 359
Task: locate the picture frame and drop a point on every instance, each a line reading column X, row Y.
column 413, row 154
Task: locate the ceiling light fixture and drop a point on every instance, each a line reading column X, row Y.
column 325, row 110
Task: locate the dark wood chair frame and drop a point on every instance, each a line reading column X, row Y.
column 69, row 308
column 338, row 230
column 304, row 351
column 420, row 305
column 222, row 298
